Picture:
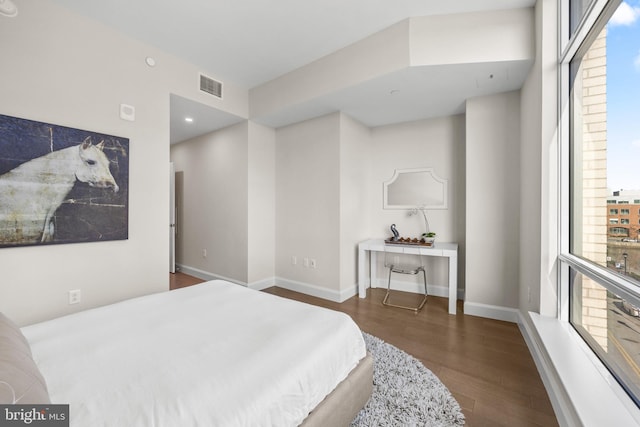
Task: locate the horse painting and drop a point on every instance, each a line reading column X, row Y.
column 32, row 192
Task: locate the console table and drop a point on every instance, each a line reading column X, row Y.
column 440, row 249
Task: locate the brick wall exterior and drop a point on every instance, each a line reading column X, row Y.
column 593, row 79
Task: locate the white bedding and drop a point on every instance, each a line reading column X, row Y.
column 215, row 354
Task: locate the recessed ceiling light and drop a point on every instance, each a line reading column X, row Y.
column 188, row 119
column 150, row 61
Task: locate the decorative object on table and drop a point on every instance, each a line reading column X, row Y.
column 429, row 237
column 405, row 392
column 423, row 211
column 60, row 184
column 394, row 230
column 408, row 241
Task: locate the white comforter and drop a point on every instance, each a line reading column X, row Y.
column 215, row 354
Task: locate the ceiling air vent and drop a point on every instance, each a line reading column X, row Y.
column 211, row 86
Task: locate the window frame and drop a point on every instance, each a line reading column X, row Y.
column 596, row 16
column 569, row 47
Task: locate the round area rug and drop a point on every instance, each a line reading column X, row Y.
column 405, row 393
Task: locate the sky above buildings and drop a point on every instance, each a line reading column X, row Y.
column 623, row 97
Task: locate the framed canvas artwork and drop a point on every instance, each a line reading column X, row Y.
column 61, row 185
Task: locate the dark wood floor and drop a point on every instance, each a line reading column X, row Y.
column 484, row 363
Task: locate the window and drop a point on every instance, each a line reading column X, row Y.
column 607, row 336
column 636, row 201
column 577, row 9
column 601, row 78
column 618, row 231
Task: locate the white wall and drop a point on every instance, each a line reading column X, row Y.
column 60, row 68
column 539, row 117
column 320, row 182
column 377, row 55
column 493, row 203
column 436, row 143
column 308, row 202
column 464, row 37
column 214, row 169
column 547, row 68
column 261, row 208
column 530, row 161
column 355, row 193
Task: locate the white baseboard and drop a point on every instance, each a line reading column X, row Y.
column 316, row 291
column 491, row 311
column 205, row 275
column 262, row 284
column 292, row 285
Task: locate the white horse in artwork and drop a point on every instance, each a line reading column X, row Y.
column 31, row 193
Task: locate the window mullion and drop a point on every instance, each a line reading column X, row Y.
column 593, row 14
column 615, row 284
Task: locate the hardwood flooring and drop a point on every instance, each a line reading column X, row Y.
column 484, row 363
column 181, row 280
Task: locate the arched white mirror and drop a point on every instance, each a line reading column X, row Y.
column 411, row 188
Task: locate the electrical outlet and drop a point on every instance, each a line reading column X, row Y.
column 306, row 262
column 204, row 253
column 74, row 296
column 314, row 264
column 294, row 260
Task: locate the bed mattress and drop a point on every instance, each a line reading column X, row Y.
column 214, row 354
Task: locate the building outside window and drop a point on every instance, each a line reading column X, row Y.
column 618, row 207
column 619, row 231
column 602, row 274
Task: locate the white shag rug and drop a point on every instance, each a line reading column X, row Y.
column 405, row 393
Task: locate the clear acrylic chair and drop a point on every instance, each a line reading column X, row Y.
column 404, row 264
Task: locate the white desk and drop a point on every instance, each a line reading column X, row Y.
column 373, row 246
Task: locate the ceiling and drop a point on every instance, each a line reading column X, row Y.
column 250, row 42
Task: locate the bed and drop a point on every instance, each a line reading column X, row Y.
column 214, row 354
